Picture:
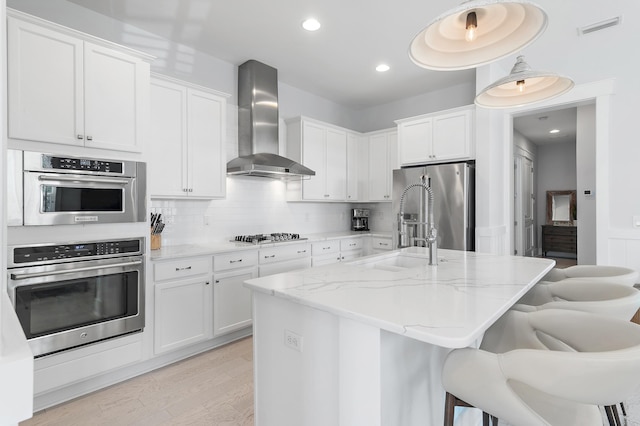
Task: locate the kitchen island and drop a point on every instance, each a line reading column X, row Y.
column 363, row 342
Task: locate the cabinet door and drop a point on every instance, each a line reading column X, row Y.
column 207, row 169
column 182, row 313
column 336, row 164
column 45, row 93
column 115, row 93
column 232, row 300
column 452, row 136
column 313, row 156
column 415, row 141
column 379, row 189
column 353, row 167
column 168, row 140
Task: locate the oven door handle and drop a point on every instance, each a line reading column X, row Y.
column 24, row 276
column 63, row 178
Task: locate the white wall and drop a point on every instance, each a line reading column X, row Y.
column 586, row 181
column 556, row 172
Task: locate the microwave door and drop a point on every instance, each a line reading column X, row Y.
column 59, row 199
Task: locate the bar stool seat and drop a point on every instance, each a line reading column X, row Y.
column 609, row 274
column 610, row 299
column 548, row 367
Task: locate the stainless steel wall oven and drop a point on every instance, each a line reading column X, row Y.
column 68, row 295
column 66, row 190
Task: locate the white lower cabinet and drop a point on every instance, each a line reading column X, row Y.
column 284, row 258
column 183, row 303
column 334, row 251
column 231, row 299
column 381, row 244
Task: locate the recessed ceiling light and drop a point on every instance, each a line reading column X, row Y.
column 554, row 131
column 311, row 24
column 382, row 68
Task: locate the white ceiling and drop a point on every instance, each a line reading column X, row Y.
column 536, row 127
column 337, row 62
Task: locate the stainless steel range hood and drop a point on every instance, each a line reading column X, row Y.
column 258, row 127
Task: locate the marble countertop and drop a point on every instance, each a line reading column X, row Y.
column 189, row 250
column 448, row 305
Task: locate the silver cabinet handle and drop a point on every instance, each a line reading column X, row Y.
column 352, row 244
column 89, row 138
column 383, row 244
column 20, row 276
column 326, row 248
column 207, row 283
column 217, row 281
column 190, row 189
column 80, row 137
column 62, row 178
column 235, row 261
column 302, row 251
column 186, row 268
column 267, row 257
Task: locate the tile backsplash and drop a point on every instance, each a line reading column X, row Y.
column 255, row 206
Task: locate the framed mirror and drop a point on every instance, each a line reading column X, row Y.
column 561, row 207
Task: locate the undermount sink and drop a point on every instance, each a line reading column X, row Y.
column 394, row 262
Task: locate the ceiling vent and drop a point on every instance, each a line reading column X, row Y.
column 612, row 22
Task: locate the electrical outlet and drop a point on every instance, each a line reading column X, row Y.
column 293, row 340
column 636, row 221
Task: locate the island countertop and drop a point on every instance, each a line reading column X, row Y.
column 448, row 305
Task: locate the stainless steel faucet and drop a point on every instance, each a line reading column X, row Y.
column 425, row 230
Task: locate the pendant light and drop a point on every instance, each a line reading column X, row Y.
column 477, row 32
column 523, row 86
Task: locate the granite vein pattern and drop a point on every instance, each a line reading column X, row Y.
column 448, row 305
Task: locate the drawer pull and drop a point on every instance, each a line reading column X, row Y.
column 352, row 244
column 217, row 282
column 302, row 251
column 383, row 244
column 326, row 248
column 186, row 268
column 207, row 283
column 267, row 257
column 235, row 261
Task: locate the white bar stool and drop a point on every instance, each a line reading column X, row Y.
column 609, row 274
column 548, row 367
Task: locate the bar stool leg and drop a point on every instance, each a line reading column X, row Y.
column 449, row 409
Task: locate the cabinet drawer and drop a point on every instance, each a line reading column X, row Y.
column 286, row 252
column 242, row 259
column 181, row 268
column 381, row 243
column 325, row 247
column 289, row 265
column 351, row 244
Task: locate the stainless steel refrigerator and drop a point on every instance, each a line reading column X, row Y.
column 453, row 187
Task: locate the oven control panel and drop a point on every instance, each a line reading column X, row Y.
column 60, row 252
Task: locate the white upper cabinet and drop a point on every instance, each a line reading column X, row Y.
column 69, row 88
column 354, row 167
column 383, row 158
column 437, row 137
column 187, row 153
column 322, row 148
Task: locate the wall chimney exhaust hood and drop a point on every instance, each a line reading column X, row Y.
column 258, row 127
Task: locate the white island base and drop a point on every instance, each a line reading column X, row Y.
column 363, row 343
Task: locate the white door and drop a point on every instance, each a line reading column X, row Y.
column 232, row 300
column 524, row 207
column 45, row 85
column 378, row 165
column 168, row 140
column 528, row 207
column 336, row 164
column 313, row 157
column 206, row 148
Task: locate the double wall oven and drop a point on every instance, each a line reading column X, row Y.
column 68, row 295
column 68, row 292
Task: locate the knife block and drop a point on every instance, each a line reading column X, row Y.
column 156, row 241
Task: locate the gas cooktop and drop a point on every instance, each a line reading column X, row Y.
column 277, row 237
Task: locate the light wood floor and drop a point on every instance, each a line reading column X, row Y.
column 213, row 388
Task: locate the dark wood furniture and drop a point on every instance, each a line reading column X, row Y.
column 562, row 239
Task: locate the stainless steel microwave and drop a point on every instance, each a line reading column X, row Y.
column 49, row 189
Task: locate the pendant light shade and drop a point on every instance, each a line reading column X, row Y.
column 476, row 33
column 523, row 86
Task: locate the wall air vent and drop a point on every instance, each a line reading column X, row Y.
column 612, row 22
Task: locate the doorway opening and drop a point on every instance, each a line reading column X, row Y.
column 554, row 152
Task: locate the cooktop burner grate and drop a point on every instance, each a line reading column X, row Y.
column 277, row 237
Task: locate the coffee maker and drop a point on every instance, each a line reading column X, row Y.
column 359, row 219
